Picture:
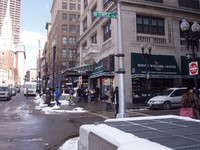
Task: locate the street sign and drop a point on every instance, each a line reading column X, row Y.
column 105, row 14
column 193, row 68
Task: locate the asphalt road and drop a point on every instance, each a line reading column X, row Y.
column 24, row 128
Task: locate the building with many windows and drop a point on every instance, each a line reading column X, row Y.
column 65, row 30
column 153, row 44
column 15, row 13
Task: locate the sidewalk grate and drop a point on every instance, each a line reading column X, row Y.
column 174, row 133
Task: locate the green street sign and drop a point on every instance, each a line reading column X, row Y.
column 105, row 14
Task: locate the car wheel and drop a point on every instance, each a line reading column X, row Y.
column 167, row 105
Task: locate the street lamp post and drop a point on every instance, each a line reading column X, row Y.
column 121, row 70
column 54, row 46
column 145, row 56
column 193, row 42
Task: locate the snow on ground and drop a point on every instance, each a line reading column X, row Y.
column 55, row 109
column 71, row 144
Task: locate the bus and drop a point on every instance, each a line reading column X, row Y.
column 32, row 88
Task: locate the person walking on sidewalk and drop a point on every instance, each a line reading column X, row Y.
column 92, row 95
column 79, row 94
column 109, row 100
column 96, row 94
column 116, row 95
column 57, row 96
column 48, row 96
column 85, row 95
column 26, row 93
column 190, row 100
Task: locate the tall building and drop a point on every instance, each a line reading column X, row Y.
column 146, row 25
column 15, row 13
column 12, row 52
column 65, row 31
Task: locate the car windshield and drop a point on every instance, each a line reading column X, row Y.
column 30, row 86
column 3, row 88
column 166, row 92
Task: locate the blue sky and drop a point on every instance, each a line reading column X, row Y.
column 34, row 15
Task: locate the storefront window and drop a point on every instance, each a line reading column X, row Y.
column 106, row 83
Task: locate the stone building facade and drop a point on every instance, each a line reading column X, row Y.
column 148, row 25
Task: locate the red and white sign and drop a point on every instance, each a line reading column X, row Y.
column 193, row 68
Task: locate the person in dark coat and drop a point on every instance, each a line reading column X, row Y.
column 96, row 93
column 85, row 95
column 116, row 95
column 79, row 94
column 48, row 96
column 190, row 100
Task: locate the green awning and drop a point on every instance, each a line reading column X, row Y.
column 158, row 66
column 185, row 66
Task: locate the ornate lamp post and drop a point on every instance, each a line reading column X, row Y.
column 54, row 46
column 192, row 40
column 145, row 56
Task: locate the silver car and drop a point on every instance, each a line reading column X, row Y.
column 5, row 93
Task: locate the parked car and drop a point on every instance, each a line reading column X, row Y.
column 167, row 99
column 5, row 93
column 13, row 91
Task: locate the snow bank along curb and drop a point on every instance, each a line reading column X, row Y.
column 55, row 109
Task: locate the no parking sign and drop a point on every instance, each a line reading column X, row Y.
column 193, row 68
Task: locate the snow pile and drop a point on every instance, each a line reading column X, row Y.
column 71, row 144
column 55, row 109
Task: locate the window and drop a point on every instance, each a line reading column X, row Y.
column 94, row 39
column 78, row 29
column 72, row 17
column 93, row 10
column 64, row 53
column 150, row 25
column 158, row 1
column 64, row 40
column 107, row 31
column 64, row 63
column 79, row 6
column 85, row 24
column 72, row 53
column 85, row 3
column 64, row 5
column 64, row 28
column 189, row 3
column 105, row 3
column 84, row 45
column 72, row 40
column 71, row 64
column 64, row 16
column 72, row 6
column 72, row 29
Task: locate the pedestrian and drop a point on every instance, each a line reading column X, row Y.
column 190, row 100
column 109, row 100
column 92, row 95
column 96, row 93
column 85, row 95
column 48, row 96
column 116, row 93
column 26, row 93
column 57, row 96
column 79, row 92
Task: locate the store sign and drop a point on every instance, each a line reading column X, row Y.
column 193, row 68
column 163, row 66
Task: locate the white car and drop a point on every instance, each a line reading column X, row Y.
column 167, row 99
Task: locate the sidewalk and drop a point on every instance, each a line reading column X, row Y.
column 98, row 108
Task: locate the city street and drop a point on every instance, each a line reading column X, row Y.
column 23, row 127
